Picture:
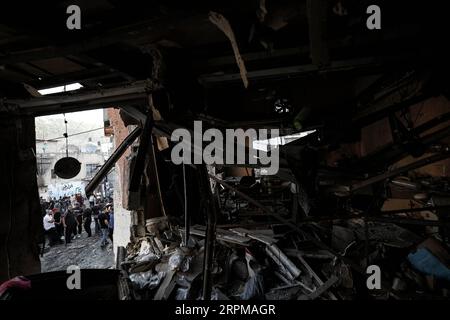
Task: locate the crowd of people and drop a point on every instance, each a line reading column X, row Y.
column 64, row 219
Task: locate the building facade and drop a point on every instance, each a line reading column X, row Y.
column 91, row 155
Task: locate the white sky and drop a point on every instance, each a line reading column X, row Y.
column 91, row 116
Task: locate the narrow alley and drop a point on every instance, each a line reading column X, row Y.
column 84, row 252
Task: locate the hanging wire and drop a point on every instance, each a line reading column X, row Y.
column 75, row 134
column 66, row 136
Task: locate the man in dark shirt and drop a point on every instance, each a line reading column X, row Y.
column 70, row 224
column 111, row 224
column 58, row 223
column 87, row 218
column 104, row 227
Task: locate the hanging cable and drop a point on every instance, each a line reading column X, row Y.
column 75, row 134
column 66, row 136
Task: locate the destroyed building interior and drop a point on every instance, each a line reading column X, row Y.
column 367, row 184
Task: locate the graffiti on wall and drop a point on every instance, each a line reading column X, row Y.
column 66, row 189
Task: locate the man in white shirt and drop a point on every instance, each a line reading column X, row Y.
column 92, row 200
column 49, row 227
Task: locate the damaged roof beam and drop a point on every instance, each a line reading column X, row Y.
column 317, row 22
column 396, row 172
column 366, row 65
column 105, row 98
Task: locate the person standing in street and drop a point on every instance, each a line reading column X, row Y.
column 87, row 220
column 104, row 227
column 49, row 227
column 70, row 225
column 95, row 213
column 78, row 212
column 111, row 223
column 92, row 200
column 58, row 222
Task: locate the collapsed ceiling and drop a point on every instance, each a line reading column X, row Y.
column 377, row 99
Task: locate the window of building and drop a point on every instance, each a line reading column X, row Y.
column 91, row 169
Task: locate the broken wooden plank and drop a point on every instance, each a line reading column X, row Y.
column 166, row 287
column 321, row 290
column 310, row 270
column 222, row 23
column 221, row 234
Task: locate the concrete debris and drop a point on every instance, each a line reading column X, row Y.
column 257, row 258
column 249, row 265
column 146, row 280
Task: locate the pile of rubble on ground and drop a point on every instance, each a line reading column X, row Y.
column 272, row 262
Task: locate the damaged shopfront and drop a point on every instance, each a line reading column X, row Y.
column 362, row 148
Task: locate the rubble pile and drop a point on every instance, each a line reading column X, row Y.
column 275, row 263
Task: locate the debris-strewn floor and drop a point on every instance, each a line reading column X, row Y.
column 84, row 252
column 254, row 256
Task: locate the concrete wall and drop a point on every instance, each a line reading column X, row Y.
column 85, row 158
column 122, row 220
column 122, row 217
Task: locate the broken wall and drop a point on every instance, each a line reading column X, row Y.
column 122, row 217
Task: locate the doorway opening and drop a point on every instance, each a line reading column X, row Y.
column 70, row 217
